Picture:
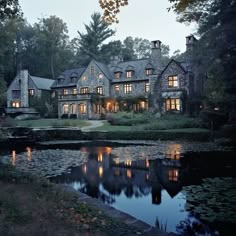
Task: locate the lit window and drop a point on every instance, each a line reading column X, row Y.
column 100, row 76
column 82, row 108
column 92, row 70
column 74, row 91
column 173, row 81
column 65, row 91
column 84, row 90
column 16, row 104
column 129, row 74
column 173, row 175
column 65, row 108
column 84, row 77
column 99, row 90
column 173, row 104
column 127, row 88
column 117, row 89
column 147, row 87
column 117, row 75
column 31, row 92
column 148, row 71
column 142, row 105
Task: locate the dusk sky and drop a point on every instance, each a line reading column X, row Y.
column 147, row 19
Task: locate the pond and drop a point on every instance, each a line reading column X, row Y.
column 179, row 187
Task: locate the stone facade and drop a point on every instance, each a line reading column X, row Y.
column 22, row 88
column 143, row 84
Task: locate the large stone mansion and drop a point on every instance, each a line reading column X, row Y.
column 138, row 85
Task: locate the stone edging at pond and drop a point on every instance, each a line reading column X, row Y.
column 18, row 135
column 75, row 134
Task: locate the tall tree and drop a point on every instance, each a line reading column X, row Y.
column 52, row 39
column 97, row 32
column 217, row 45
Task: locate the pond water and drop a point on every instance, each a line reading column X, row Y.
column 168, row 185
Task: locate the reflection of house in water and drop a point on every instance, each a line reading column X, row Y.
column 105, row 176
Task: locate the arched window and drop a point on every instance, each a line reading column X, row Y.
column 65, row 108
column 82, row 108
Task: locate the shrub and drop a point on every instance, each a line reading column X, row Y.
column 64, row 116
column 7, row 122
column 73, row 116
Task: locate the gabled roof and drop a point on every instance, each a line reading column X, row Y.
column 42, row 83
column 138, row 66
column 177, row 63
column 104, row 69
column 66, row 77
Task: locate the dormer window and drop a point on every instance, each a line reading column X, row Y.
column 117, row 75
column 173, row 81
column 129, row 74
column 92, row 70
column 73, row 77
column 60, row 79
column 148, row 71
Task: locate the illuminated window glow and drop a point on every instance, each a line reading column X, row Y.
column 129, row 73
column 31, row 92
column 147, row 87
column 173, row 81
column 65, row 108
column 173, row 175
column 84, row 90
column 82, row 108
column 127, row 88
column 173, row 104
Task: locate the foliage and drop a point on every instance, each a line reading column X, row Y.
column 9, row 8
column 215, row 52
column 96, row 33
column 111, row 9
column 7, row 122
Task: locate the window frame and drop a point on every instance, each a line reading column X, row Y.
column 173, row 81
column 99, row 90
column 127, row 88
column 129, row 74
column 148, row 71
column 84, row 90
column 147, row 87
column 172, row 104
column 82, row 108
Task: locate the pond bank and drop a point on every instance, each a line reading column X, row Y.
column 72, row 213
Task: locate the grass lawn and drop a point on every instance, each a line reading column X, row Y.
column 108, row 127
column 32, row 206
column 51, row 123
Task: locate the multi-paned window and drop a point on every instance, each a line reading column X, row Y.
column 92, row 70
column 31, row 92
column 74, row 91
column 99, row 90
column 147, row 87
column 82, row 108
column 117, row 89
column 84, row 90
column 173, row 81
column 117, row 75
column 148, row 71
column 15, row 104
column 127, row 88
column 64, row 91
column 129, row 73
column 173, row 104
